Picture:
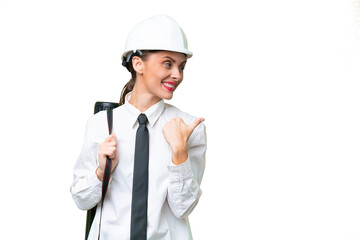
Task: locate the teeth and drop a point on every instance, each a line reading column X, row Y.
column 168, row 85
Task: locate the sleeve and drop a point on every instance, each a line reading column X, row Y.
column 86, row 187
column 185, row 179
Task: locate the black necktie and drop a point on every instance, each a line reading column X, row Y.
column 140, row 182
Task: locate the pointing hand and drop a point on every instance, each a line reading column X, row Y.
column 176, row 133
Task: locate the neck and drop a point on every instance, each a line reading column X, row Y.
column 142, row 99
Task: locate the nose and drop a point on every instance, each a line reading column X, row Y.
column 176, row 74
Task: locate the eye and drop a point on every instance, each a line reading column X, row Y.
column 167, row 64
column 182, row 68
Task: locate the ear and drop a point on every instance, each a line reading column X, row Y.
column 138, row 64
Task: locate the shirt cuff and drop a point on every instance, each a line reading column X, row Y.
column 87, row 182
column 180, row 172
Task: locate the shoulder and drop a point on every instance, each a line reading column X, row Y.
column 93, row 125
column 97, row 118
column 97, row 124
column 170, row 111
column 101, row 116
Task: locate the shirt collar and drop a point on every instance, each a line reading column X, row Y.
column 152, row 113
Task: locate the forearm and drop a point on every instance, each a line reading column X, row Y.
column 86, row 186
column 183, row 191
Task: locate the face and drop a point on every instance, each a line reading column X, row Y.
column 162, row 72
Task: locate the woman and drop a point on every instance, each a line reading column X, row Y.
column 155, row 54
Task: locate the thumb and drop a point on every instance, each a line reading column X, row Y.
column 196, row 122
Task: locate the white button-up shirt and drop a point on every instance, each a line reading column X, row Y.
column 174, row 190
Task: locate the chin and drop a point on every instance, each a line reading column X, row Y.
column 168, row 97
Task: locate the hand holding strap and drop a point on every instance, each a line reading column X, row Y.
column 107, row 171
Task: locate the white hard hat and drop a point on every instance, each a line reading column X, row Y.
column 159, row 32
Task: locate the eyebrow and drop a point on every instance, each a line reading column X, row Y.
column 173, row 59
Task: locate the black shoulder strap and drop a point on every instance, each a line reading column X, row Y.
column 107, row 172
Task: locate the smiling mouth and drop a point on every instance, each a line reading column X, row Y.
column 169, row 86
